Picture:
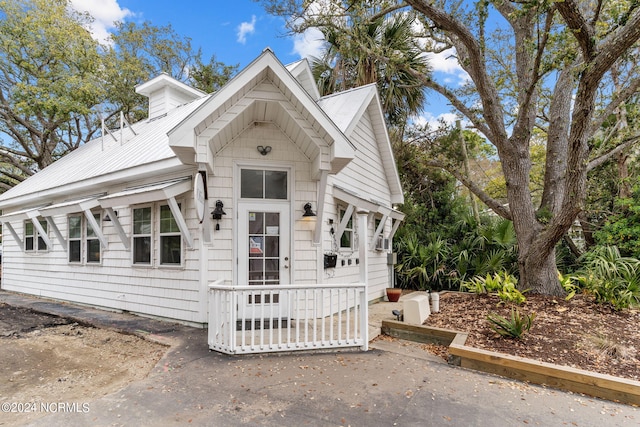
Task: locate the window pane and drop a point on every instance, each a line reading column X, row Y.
column 93, row 250
column 251, row 184
column 74, row 251
column 170, row 249
column 167, row 223
column 28, row 243
column 275, row 184
column 142, row 250
column 75, row 224
column 42, row 246
column 28, row 229
column 345, row 240
column 142, row 221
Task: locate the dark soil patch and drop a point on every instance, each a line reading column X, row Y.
column 577, row 333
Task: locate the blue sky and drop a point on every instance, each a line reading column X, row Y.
column 236, row 32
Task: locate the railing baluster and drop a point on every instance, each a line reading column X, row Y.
column 235, row 315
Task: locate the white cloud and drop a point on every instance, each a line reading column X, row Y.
column 246, row 28
column 105, row 13
column 309, row 43
column 435, row 122
column 447, row 63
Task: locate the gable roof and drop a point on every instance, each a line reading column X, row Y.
column 347, row 108
column 264, row 91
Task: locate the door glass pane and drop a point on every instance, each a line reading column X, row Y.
column 275, row 184
column 272, row 246
column 251, row 184
column 256, row 222
column 264, row 248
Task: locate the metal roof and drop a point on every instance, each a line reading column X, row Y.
column 103, row 156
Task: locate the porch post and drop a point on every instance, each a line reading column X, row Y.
column 363, row 255
column 363, row 246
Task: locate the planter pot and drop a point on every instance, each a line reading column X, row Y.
column 393, row 294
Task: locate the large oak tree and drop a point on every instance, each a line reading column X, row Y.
column 534, row 66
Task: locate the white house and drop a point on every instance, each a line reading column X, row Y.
column 126, row 221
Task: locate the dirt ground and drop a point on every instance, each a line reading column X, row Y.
column 48, row 359
column 576, row 333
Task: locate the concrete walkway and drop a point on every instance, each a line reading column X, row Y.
column 395, row 383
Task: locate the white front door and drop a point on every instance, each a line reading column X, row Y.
column 263, row 256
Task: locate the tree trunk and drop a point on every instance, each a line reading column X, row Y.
column 539, row 274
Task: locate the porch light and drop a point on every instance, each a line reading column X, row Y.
column 307, row 211
column 218, row 212
column 264, row 149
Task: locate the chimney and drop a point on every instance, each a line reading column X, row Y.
column 165, row 93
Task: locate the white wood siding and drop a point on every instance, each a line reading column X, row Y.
column 242, row 151
column 164, row 291
column 365, row 177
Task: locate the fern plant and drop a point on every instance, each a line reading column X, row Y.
column 514, row 327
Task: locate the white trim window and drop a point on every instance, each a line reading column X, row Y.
column 74, row 238
column 142, row 235
column 170, row 238
column 82, row 241
column 94, row 250
column 33, row 241
column 346, row 240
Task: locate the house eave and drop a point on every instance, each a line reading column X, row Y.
column 96, row 184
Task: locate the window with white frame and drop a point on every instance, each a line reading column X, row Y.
column 346, row 240
column 170, row 238
column 74, row 238
column 33, row 241
column 93, row 243
column 142, row 228
column 82, row 240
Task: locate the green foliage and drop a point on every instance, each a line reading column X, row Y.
column 503, row 284
column 570, row 284
column 623, row 228
column 610, row 277
column 422, row 266
column 514, row 327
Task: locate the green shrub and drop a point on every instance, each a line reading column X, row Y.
column 610, row 278
column 503, row 284
column 514, row 327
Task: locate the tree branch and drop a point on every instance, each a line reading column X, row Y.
column 594, row 163
column 492, row 203
column 582, row 31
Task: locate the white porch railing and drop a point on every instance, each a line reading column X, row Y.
column 260, row 319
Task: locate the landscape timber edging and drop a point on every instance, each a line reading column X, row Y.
column 562, row 377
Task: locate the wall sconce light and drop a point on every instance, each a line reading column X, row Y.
column 264, row 149
column 307, row 211
column 218, row 212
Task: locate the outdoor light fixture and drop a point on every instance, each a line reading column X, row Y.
column 218, row 212
column 307, row 211
column 264, row 149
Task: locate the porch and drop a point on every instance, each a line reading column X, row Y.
column 261, row 319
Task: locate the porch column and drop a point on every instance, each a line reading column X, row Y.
column 363, row 247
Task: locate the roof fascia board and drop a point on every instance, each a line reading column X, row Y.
column 182, row 135
column 161, row 167
column 146, row 194
column 371, row 93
